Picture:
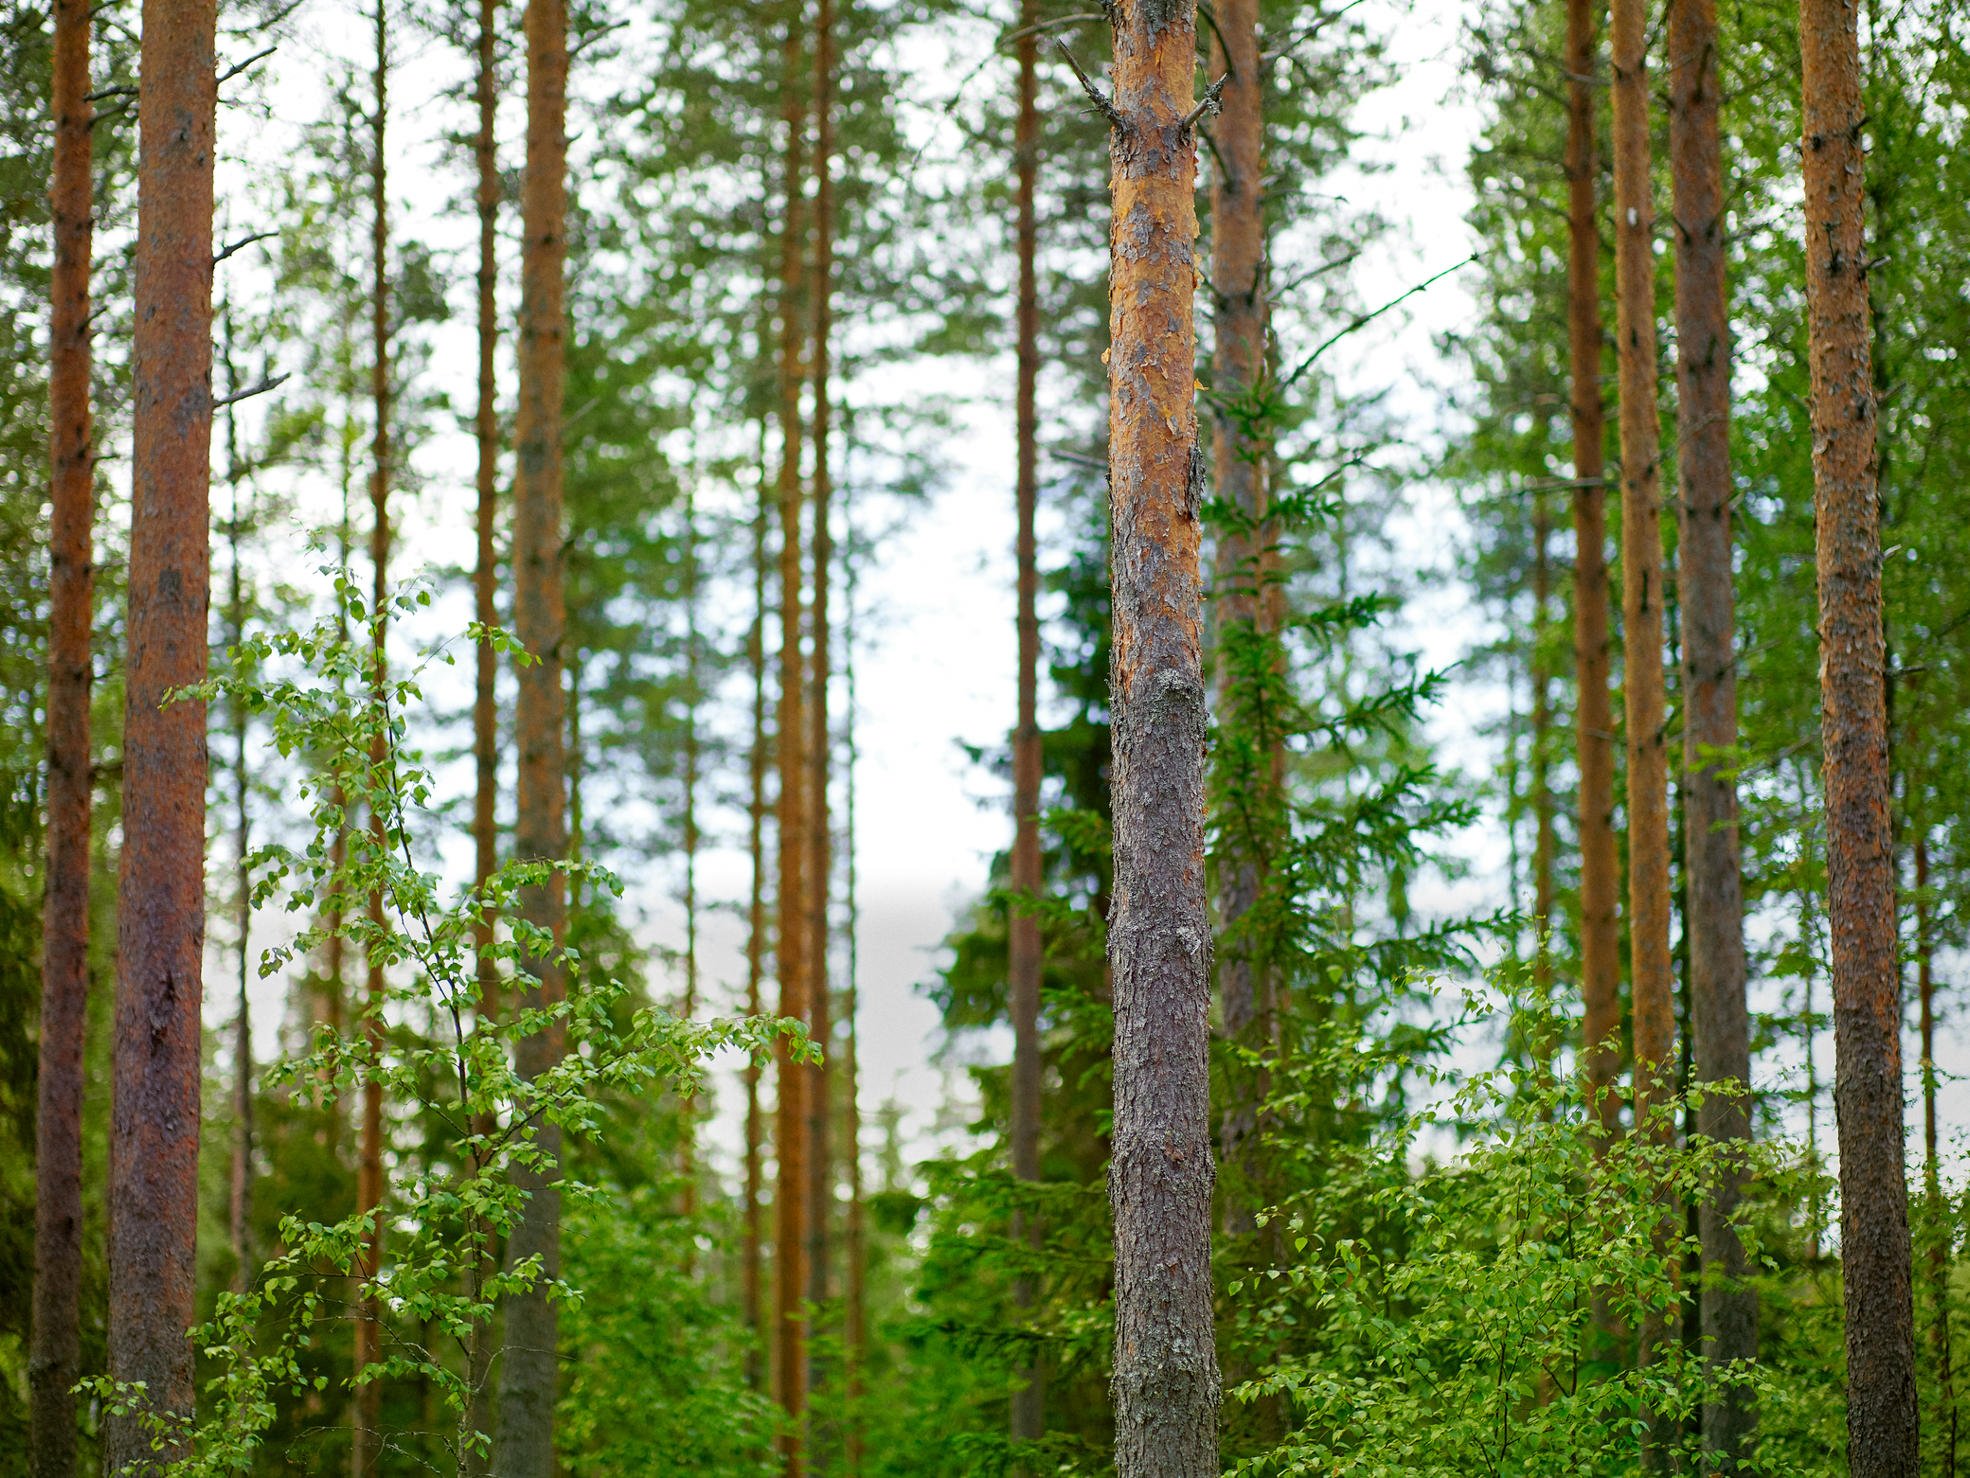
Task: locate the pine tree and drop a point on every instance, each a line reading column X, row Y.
column 1874, row 1235
column 1166, row 1375
column 54, row 1359
column 153, row 1202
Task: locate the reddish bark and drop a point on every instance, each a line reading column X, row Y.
column 54, row 1355
column 1166, row 1375
column 1600, row 945
column 1874, row 1235
column 1023, row 947
column 524, row 1441
column 153, row 1195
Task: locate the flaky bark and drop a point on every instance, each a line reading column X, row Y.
column 524, row 1438
column 1600, row 945
column 1023, row 947
column 1874, row 1236
column 791, row 1192
column 485, row 694
column 153, row 1157
column 1160, row 1179
column 1719, row 1021
column 366, row 1440
column 1238, row 443
column 54, row 1353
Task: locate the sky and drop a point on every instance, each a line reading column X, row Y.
column 934, row 612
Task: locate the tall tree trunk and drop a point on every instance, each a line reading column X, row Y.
column 1238, row 440
column 240, row 1191
column 820, row 867
column 1874, row 1236
column 1932, row 1178
column 751, row 1267
column 153, row 1194
column 1166, row 1373
column 1544, row 843
column 693, row 697
column 794, row 936
column 366, row 1444
column 1714, row 920
column 485, row 696
column 1600, row 945
column 1023, row 947
column 524, row 1438
column 855, row 1332
column 55, row 1352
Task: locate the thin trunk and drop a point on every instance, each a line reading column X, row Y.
column 1238, row 295
column 691, row 759
column 1600, row 946
column 820, row 869
column 54, row 1356
column 1544, row 842
column 1714, row 919
column 1166, row 1374
column 153, row 1153
column 1932, row 1178
column 1809, row 1033
column 752, row 1278
column 1874, row 1237
column 856, row 1333
column 239, row 1199
column 524, row 1441
column 485, row 711
column 366, row 1443
column 791, row 1193
column 1023, row 947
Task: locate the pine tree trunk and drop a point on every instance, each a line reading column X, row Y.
column 820, row 866
column 751, row 1267
column 1023, row 947
column 1600, row 945
column 1166, row 1375
column 794, row 935
column 523, row 1444
column 693, row 699
column 855, row 1332
column 1874, row 1236
column 240, row 1190
column 1714, row 923
column 1544, row 842
column 1238, row 294
column 366, row 1445
column 1932, row 1177
column 485, row 696
column 154, row 1130
column 54, row 1355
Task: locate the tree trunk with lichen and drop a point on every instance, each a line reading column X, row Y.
column 1719, row 1020
column 154, row 1128
column 1874, row 1234
column 523, row 1444
column 55, row 1350
column 1165, row 1384
column 1600, row 944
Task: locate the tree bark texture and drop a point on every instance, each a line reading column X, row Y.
column 153, row 1156
column 524, row 1437
column 485, row 693
column 820, row 862
column 1874, row 1235
column 1023, row 945
column 1600, row 944
column 1238, row 444
column 1165, row 1384
column 751, row 1264
column 794, row 937
column 1874, row 1195
column 1720, row 1028
column 54, row 1355
column 366, row 1440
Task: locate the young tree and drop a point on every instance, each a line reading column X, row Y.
column 1600, row 945
column 524, row 1440
column 1719, row 1020
column 1023, row 926
column 1874, row 1236
column 153, row 1193
column 1166, row 1373
column 751, row 1262
column 55, row 1356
